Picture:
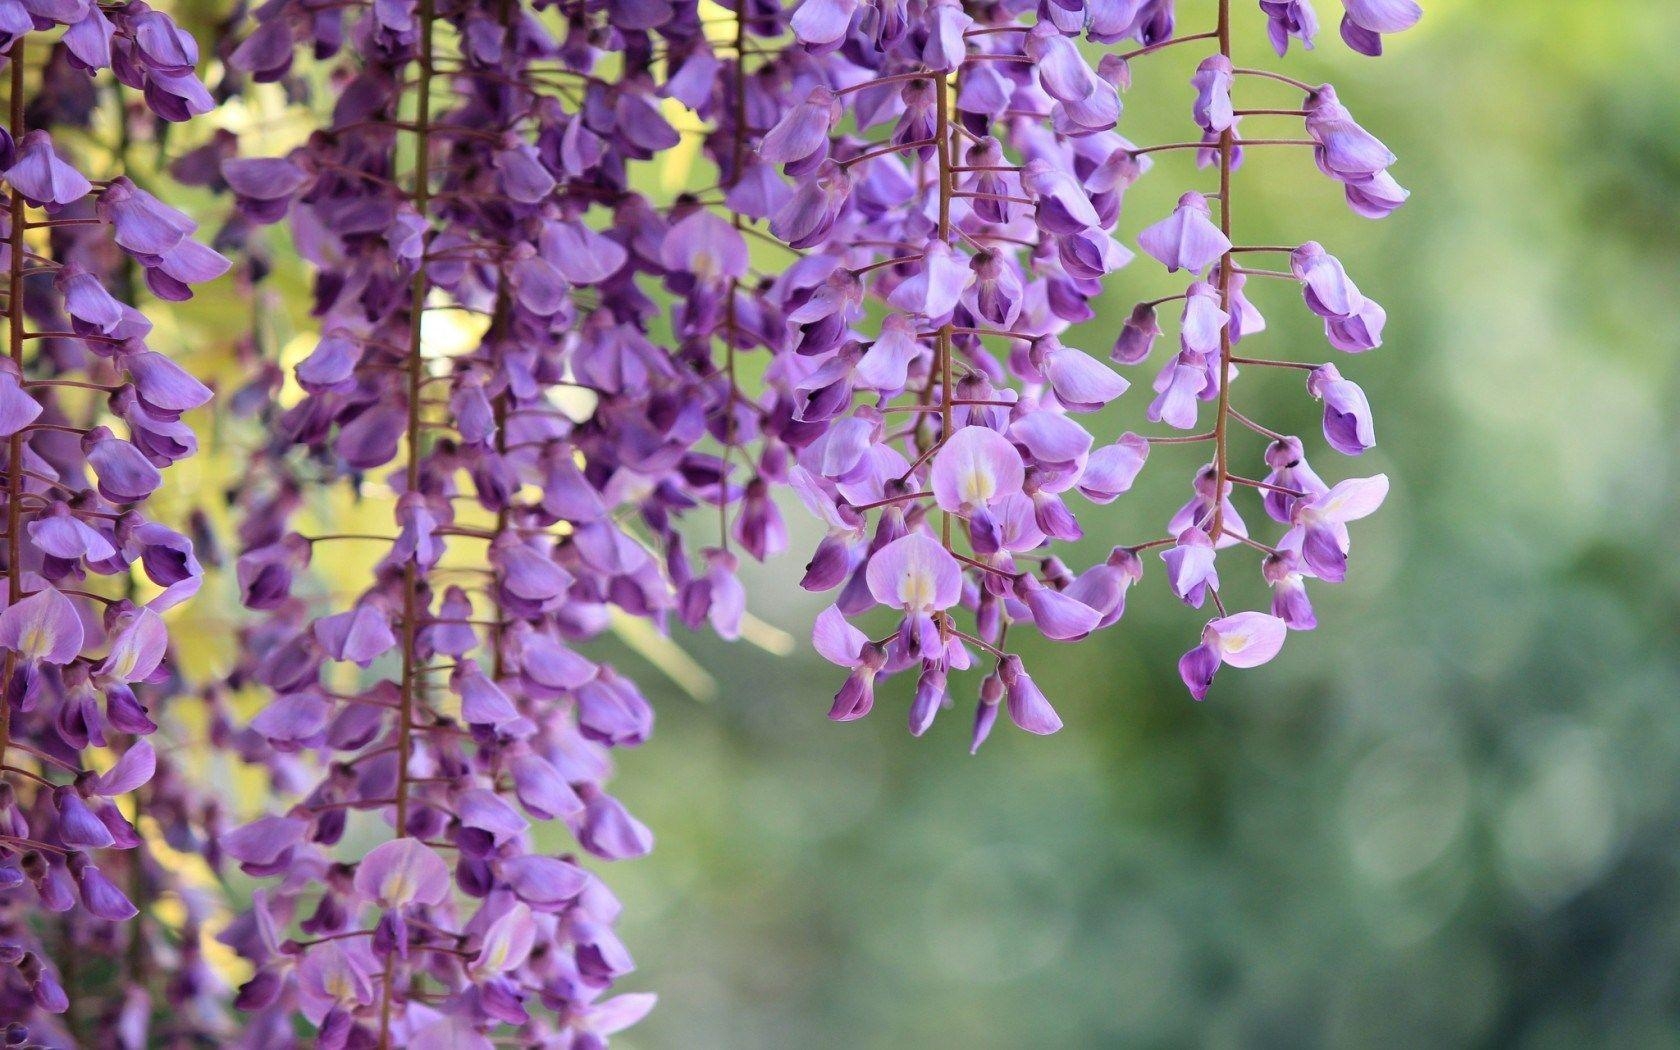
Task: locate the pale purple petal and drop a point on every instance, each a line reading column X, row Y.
column 836, row 640
column 44, row 626
column 976, row 467
column 401, row 872
column 1187, row 239
column 916, row 574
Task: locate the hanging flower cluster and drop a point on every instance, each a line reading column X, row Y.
column 1217, row 316
column 538, row 384
column 426, row 722
column 961, row 168
column 90, row 416
column 983, row 223
column 946, row 182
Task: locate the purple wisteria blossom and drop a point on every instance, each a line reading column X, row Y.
column 419, row 723
column 1196, row 383
column 950, row 212
column 528, row 372
column 947, row 441
column 92, row 418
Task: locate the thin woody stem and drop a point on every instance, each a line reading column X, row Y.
column 1264, row 362
column 1256, row 427
column 1190, row 440
column 881, row 264
column 927, row 453
column 14, row 457
column 416, row 377
column 891, row 78
column 1265, row 486
column 498, row 409
column 1152, row 48
column 731, row 321
column 903, row 497
column 971, row 639
column 1269, row 75
column 1227, row 152
column 946, row 148
column 1240, row 143
column 883, row 151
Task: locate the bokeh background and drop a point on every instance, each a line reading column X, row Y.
column 1449, row 817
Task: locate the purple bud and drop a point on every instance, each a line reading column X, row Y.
column 610, row 832
column 99, row 894
column 1187, row 239
column 91, row 308
column 541, row 789
column 17, row 408
column 986, row 711
column 1347, row 414
column 930, row 695
column 359, row 636
column 545, row 883
column 124, row 474
column 78, row 827
column 1212, row 82
column 1028, row 707
column 143, row 224
column 42, row 176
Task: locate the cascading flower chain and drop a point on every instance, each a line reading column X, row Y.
column 90, row 416
column 951, row 184
column 983, row 225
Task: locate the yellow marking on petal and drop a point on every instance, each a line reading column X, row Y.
column 37, row 641
column 706, row 265
column 979, row 485
column 124, row 667
column 915, row 588
column 397, row 889
column 338, row 985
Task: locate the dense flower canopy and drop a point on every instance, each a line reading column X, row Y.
column 868, row 313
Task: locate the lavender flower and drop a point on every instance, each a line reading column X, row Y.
column 943, row 182
column 91, row 417
column 1218, row 315
column 517, row 529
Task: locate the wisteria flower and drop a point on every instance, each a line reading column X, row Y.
column 1187, row 239
column 1246, row 639
column 973, row 471
column 1323, row 519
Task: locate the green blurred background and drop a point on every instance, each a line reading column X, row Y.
column 1446, row 818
